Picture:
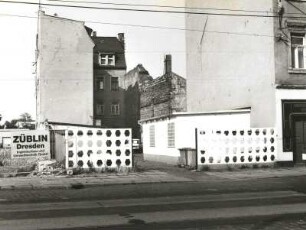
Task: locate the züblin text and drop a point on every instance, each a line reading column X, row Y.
column 29, row 138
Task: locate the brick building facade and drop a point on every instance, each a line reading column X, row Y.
column 163, row 95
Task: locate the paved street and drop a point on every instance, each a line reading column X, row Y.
column 254, row 203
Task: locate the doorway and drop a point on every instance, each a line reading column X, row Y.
column 299, row 138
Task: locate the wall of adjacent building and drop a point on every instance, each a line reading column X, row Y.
column 284, row 73
column 64, row 71
column 230, row 61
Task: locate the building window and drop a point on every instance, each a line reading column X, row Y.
column 100, row 84
column 114, row 83
column 152, row 136
column 100, row 109
column 115, row 109
column 298, row 51
column 98, row 122
column 171, row 135
column 107, row 59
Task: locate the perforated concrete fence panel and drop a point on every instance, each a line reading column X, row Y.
column 251, row 146
column 99, row 149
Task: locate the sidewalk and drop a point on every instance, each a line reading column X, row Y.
column 146, row 172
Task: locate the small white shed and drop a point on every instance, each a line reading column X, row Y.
column 163, row 137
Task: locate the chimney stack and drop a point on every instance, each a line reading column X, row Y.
column 94, row 34
column 121, row 38
column 168, row 64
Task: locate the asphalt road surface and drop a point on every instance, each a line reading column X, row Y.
column 274, row 203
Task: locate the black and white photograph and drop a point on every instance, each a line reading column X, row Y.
column 153, row 114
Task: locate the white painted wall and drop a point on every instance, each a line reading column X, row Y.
column 231, row 64
column 64, row 71
column 185, row 125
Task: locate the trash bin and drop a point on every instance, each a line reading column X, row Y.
column 188, row 157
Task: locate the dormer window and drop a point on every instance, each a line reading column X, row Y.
column 107, row 59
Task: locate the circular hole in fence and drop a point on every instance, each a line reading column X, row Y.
column 108, row 133
column 242, row 158
column 70, row 144
column 89, row 164
column 80, row 153
column 265, row 158
column 89, row 143
column 234, row 159
column 250, row 158
column 257, row 158
column 89, row 133
column 250, row 132
column 235, row 150
column 264, row 149
column 118, row 133
column 241, row 132
column 202, row 160
column 99, row 143
column 202, row 151
column 250, row 149
column 118, row 143
column 265, row 140
column 234, row 132
column 70, row 133
column 127, row 133
column 99, row 152
column 264, row 132
column 127, row 162
column 99, row 162
column 241, row 150
column 80, row 133
column 109, row 152
column 272, row 149
column 70, row 163
column 80, row 163
column 108, row 143
column 257, row 132
column 126, row 142
column 109, row 162
column 99, row 133
column 226, row 132
column 272, row 157
column 70, row 153
column 118, row 162
column 118, row 152
column 226, row 159
column 272, row 140
column 89, row 152
column 257, row 149
column 272, row 131
column 80, row 143
column 127, row 152
column 211, row 159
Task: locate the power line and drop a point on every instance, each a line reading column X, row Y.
column 159, row 6
column 156, row 27
column 151, row 11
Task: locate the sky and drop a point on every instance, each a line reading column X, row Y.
column 143, row 45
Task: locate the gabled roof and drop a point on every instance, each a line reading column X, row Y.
column 108, row 44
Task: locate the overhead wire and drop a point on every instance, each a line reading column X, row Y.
column 149, row 11
column 154, row 27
